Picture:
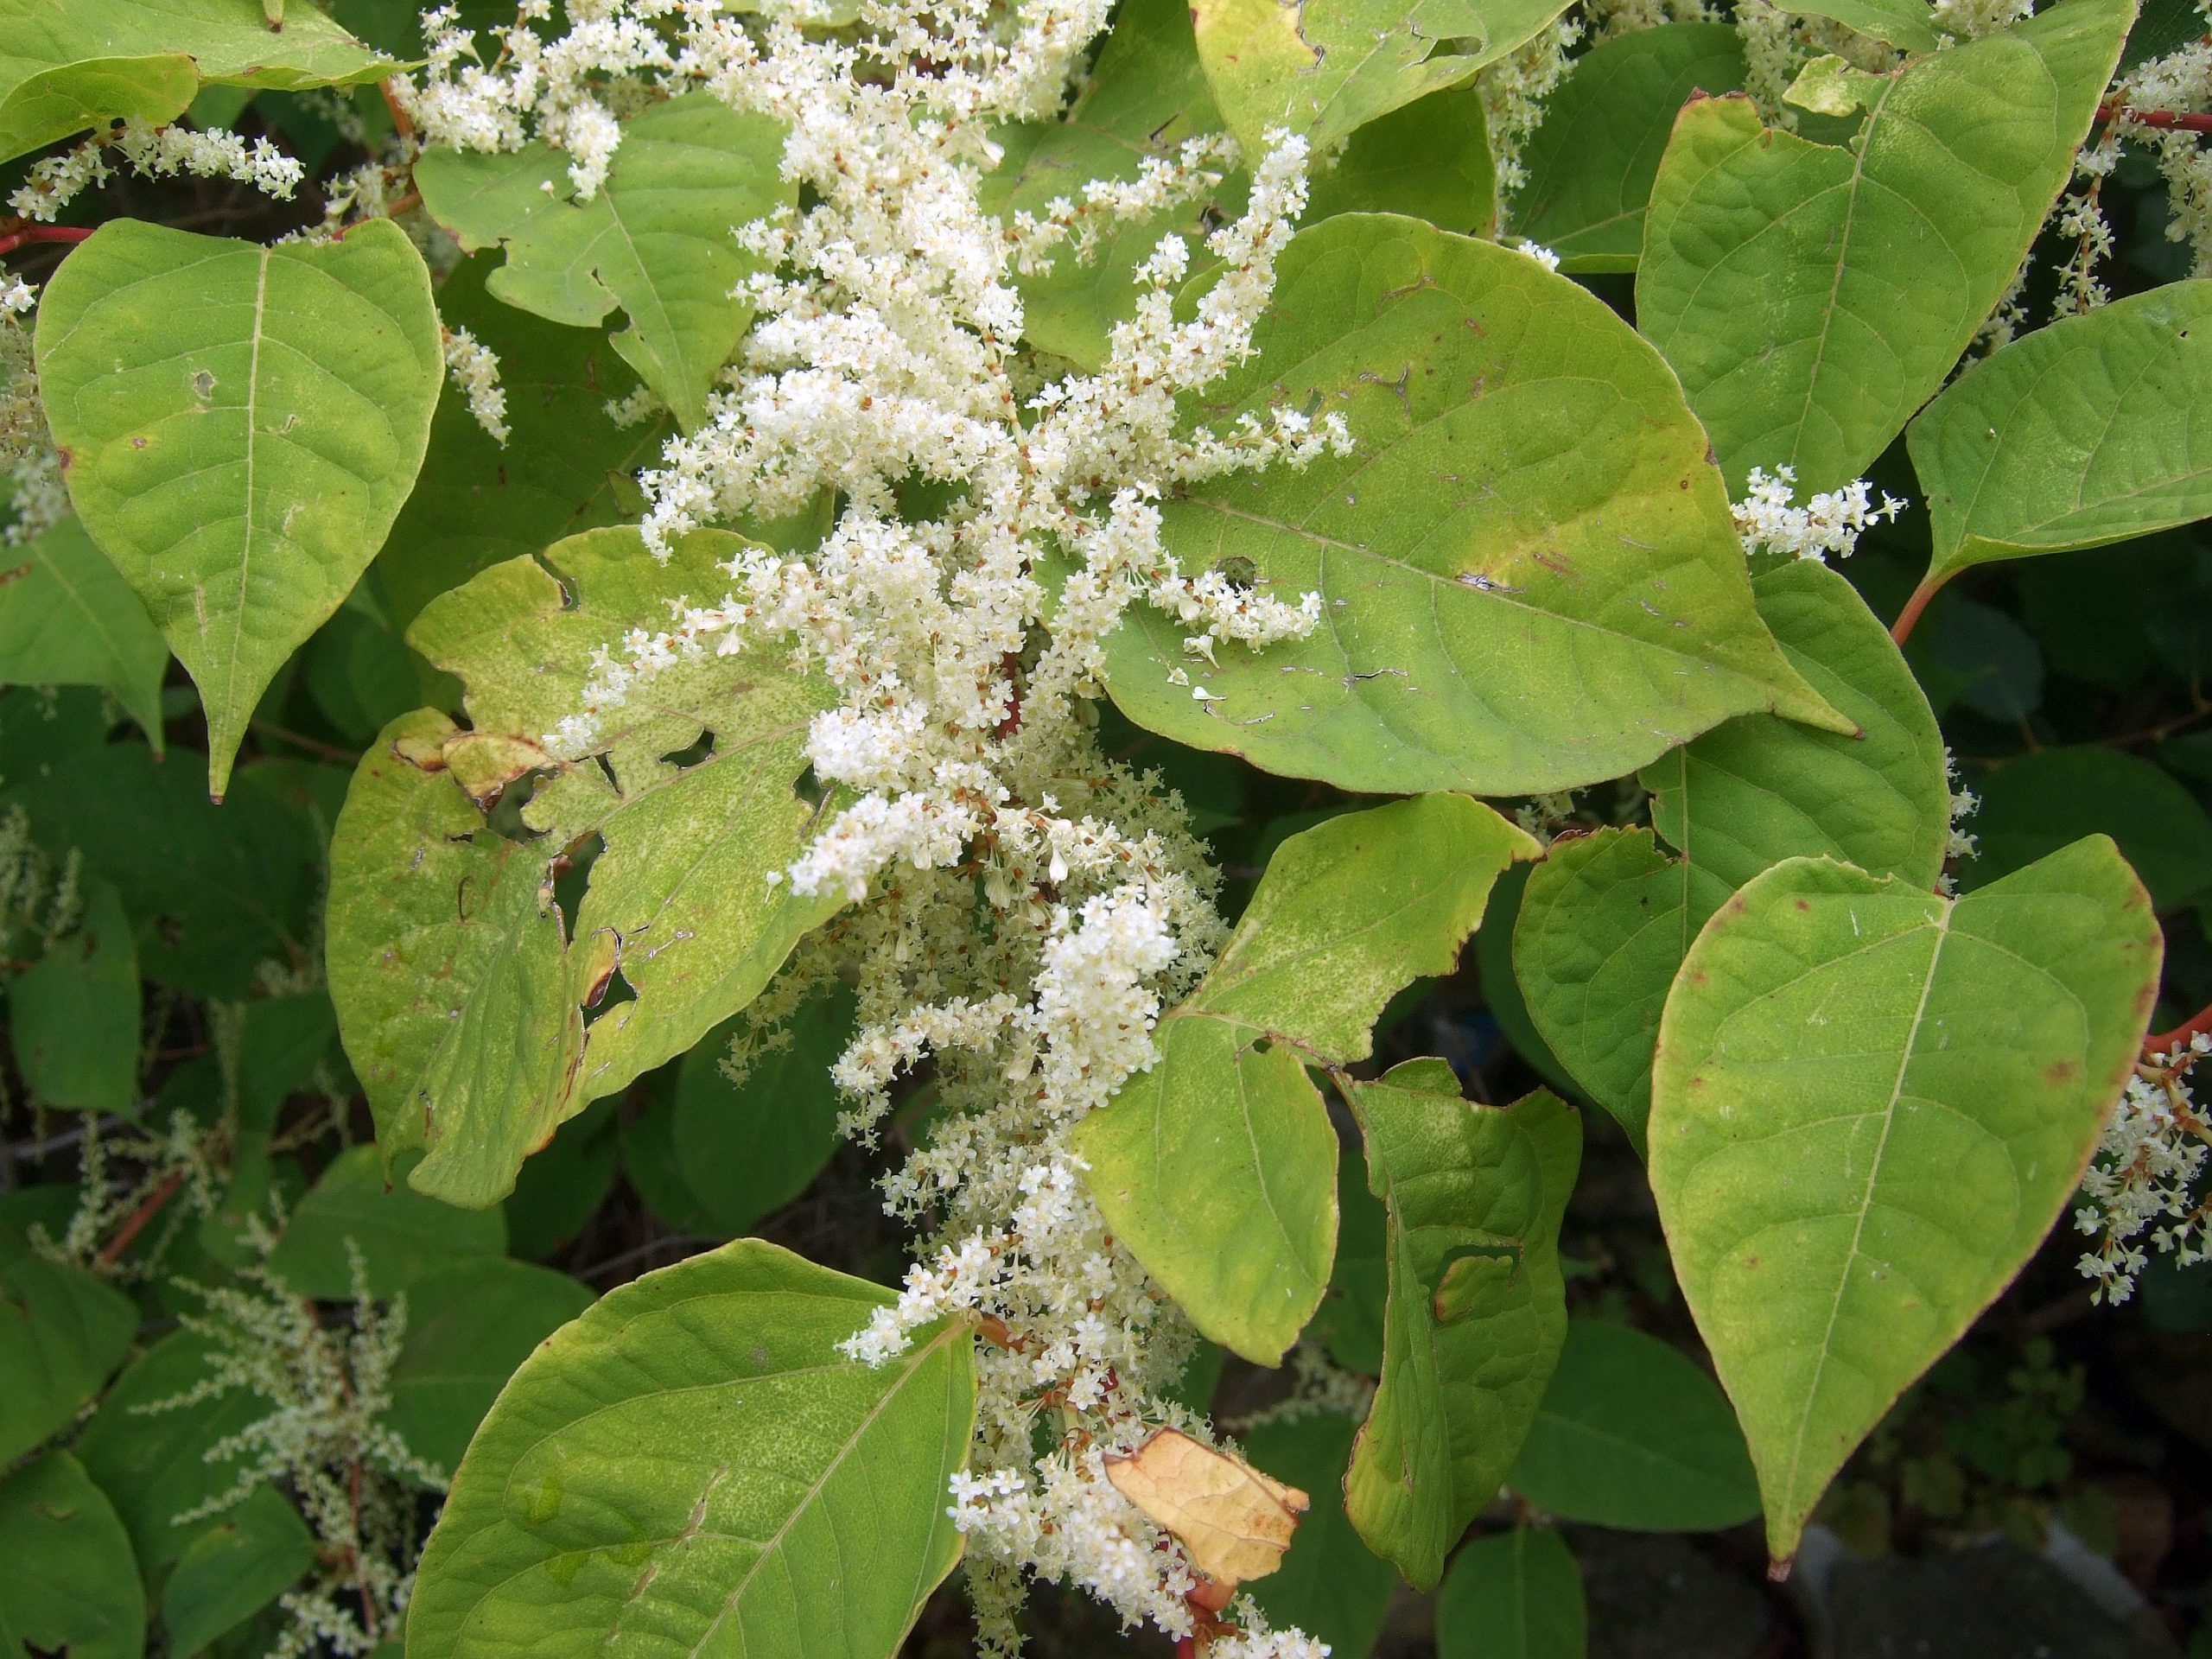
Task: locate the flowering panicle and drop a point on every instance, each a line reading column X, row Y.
column 156, row 153
column 474, row 367
column 1026, row 906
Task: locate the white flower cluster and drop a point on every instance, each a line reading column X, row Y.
column 474, row 367
column 2147, row 1169
column 1512, row 91
column 158, row 153
column 1831, row 522
column 1026, row 906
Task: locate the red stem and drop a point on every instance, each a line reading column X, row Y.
column 2165, row 1042
column 1901, row 628
column 2171, row 120
column 150, row 1207
column 43, row 234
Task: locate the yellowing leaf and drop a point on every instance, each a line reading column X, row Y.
column 1234, row 1521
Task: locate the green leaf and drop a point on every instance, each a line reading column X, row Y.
column 236, row 1565
column 65, row 69
column 71, row 1586
column 1870, row 1104
column 1908, row 25
column 1330, row 1584
column 1514, row 1595
column 1328, row 67
column 654, row 241
column 1606, row 919
column 62, row 1333
column 401, row 1234
column 73, row 1015
column 240, row 425
column 1502, row 993
column 2036, row 804
column 213, row 892
column 468, row 1327
column 1427, row 160
column 1591, row 163
column 1216, row 1169
column 1477, row 1304
column 1529, row 578
column 748, row 1149
column 69, row 618
column 1632, row 1434
column 691, row 1464
column 565, row 467
column 563, row 1183
column 1145, row 97
column 1605, row 922
column 151, row 1460
column 1758, row 790
column 2068, row 437
column 466, row 1022
column 1812, row 296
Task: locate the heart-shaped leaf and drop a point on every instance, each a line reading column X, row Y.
column 240, row 426
column 1812, row 296
column 1870, row 1104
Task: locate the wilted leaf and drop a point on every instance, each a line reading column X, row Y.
column 1233, row 1520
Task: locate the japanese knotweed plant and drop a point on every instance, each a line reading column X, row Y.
column 992, row 379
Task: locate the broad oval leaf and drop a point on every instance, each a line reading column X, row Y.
column 1812, row 296
column 69, row 618
column 1513, row 1595
column 468, row 1327
column 2070, row 436
column 1591, row 163
column 1528, row 575
column 1632, row 1434
column 71, row 1586
column 1476, row 1303
column 691, row 1466
column 62, row 1333
column 1216, row 1169
column 237, row 1563
column 240, row 425
column 65, row 67
column 1327, row 67
column 1606, row 919
column 1908, row 25
column 1758, row 790
column 1870, row 1104
column 655, row 239
column 73, row 1015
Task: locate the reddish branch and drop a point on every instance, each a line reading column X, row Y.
column 1902, row 627
column 2171, row 120
column 148, row 1209
column 43, row 234
column 2165, row 1042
